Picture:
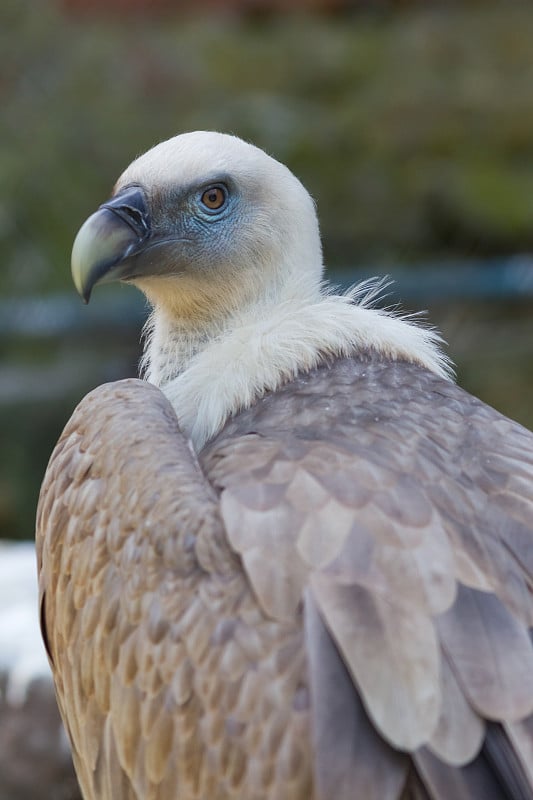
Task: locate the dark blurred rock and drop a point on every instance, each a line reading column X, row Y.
column 35, row 762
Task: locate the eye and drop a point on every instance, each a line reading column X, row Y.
column 214, row 198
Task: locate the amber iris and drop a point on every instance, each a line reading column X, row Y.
column 213, row 198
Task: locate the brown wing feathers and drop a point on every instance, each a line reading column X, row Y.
column 172, row 681
column 379, row 507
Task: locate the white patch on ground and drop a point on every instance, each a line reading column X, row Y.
column 22, row 653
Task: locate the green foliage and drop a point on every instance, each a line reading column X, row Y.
column 414, row 131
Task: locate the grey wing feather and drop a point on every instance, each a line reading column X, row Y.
column 352, row 760
column 491, row 654
column 470, row 782
column 406, row 508
column 460, row 731
column 392, row 654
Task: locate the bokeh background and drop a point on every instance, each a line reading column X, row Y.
column 410, row 123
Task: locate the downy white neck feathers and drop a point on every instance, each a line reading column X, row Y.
column 207, row 380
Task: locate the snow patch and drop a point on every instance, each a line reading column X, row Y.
column 22, row 655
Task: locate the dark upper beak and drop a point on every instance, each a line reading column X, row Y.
column 109, row 239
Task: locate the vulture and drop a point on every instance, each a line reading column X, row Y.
column 295, row 561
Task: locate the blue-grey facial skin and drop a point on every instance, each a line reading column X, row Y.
column 176, row 234
column 186, row 235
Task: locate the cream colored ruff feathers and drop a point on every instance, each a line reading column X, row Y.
column 257, row 356
column 271, row 316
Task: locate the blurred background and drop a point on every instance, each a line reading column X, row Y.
column 410, row 122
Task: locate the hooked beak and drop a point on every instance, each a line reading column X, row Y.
column 108, row 241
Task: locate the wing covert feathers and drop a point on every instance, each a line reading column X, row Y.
column 334, row 600
column 408, row 514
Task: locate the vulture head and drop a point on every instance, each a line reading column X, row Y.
column 204, row 224
column 224, row 242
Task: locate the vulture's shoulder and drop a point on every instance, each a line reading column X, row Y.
column 114, row 471
column 127, row 526
column 388, row 426
column 349, row 395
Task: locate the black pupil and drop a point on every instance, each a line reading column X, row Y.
column 213, row 197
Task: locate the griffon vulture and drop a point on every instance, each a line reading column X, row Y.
column 296, row 562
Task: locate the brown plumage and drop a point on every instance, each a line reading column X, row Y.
column 337, row 595
column 309, row 575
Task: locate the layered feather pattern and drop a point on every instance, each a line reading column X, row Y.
column 332, row 600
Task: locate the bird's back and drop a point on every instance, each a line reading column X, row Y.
column 330, row 602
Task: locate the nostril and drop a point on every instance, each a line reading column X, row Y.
column 130, row 205
column 136, row 216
